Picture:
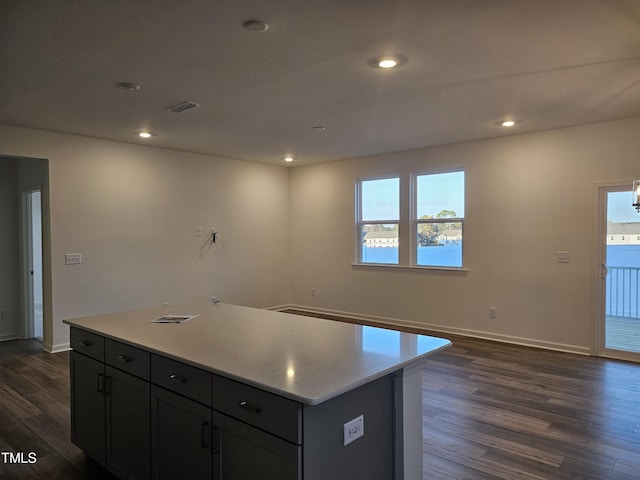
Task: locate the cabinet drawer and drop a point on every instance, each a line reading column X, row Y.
column 267, row 411
column 127, row 358
column 184, row 379
column 88, row 343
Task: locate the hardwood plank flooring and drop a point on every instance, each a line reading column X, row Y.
column 496, row 411
column 490, row 411
column 34, row 416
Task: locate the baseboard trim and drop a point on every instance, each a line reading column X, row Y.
column 61, row 347
column 430, row 329
column 5, row 337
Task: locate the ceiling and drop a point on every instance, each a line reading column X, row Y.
column 470, row 63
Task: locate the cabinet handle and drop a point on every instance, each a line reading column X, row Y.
column 205, row 434
column 249, row 408
column 177, row 379
column 123, row 358
column 101, row 383
column 84, row 343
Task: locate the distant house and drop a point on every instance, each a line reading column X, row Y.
column 627, row 233
column 449, row 237
column 386, row 238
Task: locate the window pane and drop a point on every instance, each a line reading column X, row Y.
column 439, row 244
column 380, row 199
column 440, row 195
column 379, row 243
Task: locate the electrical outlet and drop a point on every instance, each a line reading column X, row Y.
column 353, row 429
column 3, row 314
column 493, row 311
column 73, row 259
column 563, row 257
column 313, row 292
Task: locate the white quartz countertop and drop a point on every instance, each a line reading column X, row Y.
column 306, row 359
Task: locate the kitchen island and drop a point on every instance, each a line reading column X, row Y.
column 243, row 393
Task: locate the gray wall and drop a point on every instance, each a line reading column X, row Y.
column 527, row 197
column 9, row 252
column 132, row 212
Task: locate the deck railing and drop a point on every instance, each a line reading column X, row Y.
column 623, row 292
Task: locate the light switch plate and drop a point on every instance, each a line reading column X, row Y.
column 72, row 259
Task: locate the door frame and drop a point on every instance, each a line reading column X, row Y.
column 599, row 284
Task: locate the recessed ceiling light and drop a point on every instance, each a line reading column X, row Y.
column 130, row 86
column 145, row 134
column 288, row 159
column 255, row 26
column 508, row 122
column 387, row 61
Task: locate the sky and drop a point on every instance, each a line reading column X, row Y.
column 436, row 192
column 619, row 208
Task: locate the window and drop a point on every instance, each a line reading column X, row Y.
column 438, row 219
column 379, row 219
column 432, row 220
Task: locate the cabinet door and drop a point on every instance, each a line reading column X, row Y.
column 243, row 452
column 180, row 437
column 128, row 425
column 88, row 406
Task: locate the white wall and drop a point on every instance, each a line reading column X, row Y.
column 9, row 286
column 527, row 197
column 132, row 212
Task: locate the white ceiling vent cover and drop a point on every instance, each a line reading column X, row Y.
column 182, row 107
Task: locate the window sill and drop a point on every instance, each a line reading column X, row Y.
column 411, row 268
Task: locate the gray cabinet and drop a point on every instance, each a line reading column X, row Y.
column 181, row 437
column 144, row 415
column 110, row 418
column 88, row 409
column 245, row 452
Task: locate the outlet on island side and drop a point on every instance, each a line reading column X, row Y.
column 353, row 430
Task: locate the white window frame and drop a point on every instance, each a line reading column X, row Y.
column 415, row 221
column 360, row 223
column 407, row 226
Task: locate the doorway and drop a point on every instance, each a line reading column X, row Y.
column 33, row 266
column 619, row 292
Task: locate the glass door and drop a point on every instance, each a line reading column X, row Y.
column 621, row 272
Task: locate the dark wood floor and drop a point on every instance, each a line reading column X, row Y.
column 34, row 416
column 495, row 411
column 491, row 411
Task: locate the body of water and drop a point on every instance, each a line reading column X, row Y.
column 437, row 256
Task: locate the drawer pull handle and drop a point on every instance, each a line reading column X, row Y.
column 249, row 408
column 84, row 343
column 175, row 378
column 123, row 358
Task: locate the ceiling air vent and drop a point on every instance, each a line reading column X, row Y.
column 182, row 107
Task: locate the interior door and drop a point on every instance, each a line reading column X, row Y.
column 620, row 274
